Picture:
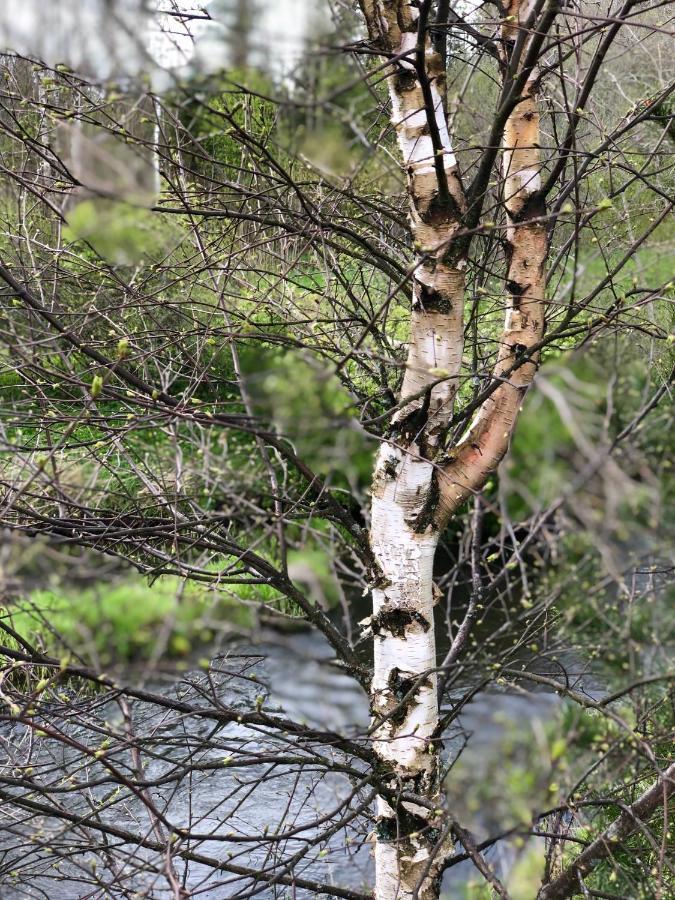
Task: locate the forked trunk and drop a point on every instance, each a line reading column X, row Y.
column 418, row 482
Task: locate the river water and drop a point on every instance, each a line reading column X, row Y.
column 42, row 857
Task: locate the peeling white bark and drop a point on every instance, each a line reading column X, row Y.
column 411, row 120
column 397, row 873
column 404, row 474
column 402, row 651
column 403, row 531
column 406, row 563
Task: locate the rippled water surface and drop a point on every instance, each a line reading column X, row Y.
column 218, row 802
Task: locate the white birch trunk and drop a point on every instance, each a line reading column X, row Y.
column 404, row 533
column 404, row 653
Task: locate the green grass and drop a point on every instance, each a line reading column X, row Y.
column 125, row 621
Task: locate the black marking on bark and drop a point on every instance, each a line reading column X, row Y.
column 424, row 781
column 409, row 823
column 396, row 619
column 516, row 290
column 508, row 254
column 411, row 425
column 433, row 835
column 399, row 685
column 534, row 207
column 456, row 252
column 519, row 349
column 390, row 467
column 405, row 80
column 427, row 515
column 440, row 211
column 431, row 300
column 403, row 823
column 386, row 828
column 377, row 580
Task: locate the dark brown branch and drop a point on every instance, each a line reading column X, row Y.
column 631, row 820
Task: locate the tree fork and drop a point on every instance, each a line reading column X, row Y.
column 417, row 485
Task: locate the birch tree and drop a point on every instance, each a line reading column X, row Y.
column 421, row 478
column 268, row 361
